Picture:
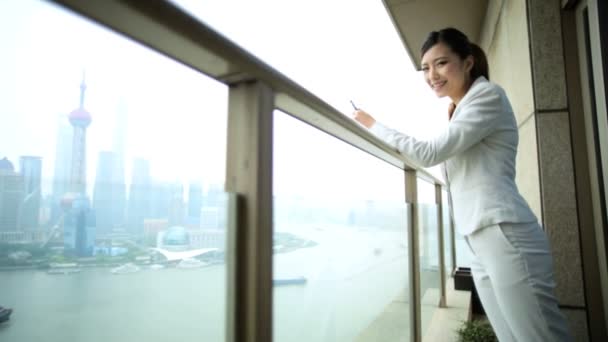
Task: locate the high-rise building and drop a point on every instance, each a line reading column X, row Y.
column 140, row 197
column 63, row 160
column 213, row 214
column 160, row 199
column 11, row 196
column 176, row 204
column 31, row 170
column 119, row 187
column 79, row 219
column 214, row 196
column 103, row 193
column 195, row 203
column 79, row 228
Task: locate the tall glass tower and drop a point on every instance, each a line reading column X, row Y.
column 11, row 196
column 63, row 160
column 103, row 192
column 140, row 194
column 31, row 170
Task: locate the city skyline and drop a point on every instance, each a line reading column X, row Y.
column 170, row 106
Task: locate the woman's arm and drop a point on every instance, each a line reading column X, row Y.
column 477, row 117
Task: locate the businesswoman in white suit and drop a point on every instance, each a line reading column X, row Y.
column 513, row 267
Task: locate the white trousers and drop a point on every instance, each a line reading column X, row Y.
column 513, row 273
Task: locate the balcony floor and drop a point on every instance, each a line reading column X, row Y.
column 443, row 324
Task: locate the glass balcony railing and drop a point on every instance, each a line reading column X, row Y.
column 113, row 213
column 429, row 252
column 340, row 240
column 168, row 191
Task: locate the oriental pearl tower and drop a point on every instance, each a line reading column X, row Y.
column 79, row 222
column 80, row 120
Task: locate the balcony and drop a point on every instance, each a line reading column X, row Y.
column 280, row 245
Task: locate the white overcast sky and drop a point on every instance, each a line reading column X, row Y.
column 338, row 49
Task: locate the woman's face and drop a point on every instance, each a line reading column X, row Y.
column 445, row 72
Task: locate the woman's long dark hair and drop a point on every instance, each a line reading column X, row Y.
column 460, row 44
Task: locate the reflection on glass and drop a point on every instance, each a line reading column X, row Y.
column 447, row 234
column 112, row 212
column 340, row 241
column 429, row 252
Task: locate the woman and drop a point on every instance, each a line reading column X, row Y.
column 513, row 268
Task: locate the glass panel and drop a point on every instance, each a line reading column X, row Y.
column 464, row 256
column 112, row 213
column 429, row 252
column 447, row 234
column 340, row 240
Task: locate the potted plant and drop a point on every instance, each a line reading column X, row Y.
column 476, row 331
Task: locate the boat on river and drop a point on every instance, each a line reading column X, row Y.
column 289, row 281
column 125, row 269
column 191, row 263
column 63, row 271
column 5, row 314
column 63, row 268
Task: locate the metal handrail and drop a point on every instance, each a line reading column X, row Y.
column 168, row 29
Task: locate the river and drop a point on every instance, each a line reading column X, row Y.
column 352, row 276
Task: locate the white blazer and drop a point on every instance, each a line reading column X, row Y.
column 478, row 148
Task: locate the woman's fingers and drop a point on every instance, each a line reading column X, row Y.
column 363, row 118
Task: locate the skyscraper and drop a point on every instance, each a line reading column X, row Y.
column 119, row 187
column 214, row 212
column 63, row 160
column 31, row 170
column 11, row 196
column 103, row 193
column 140, row 200
column 79, row 228
column 160, row 200
column 176, row 204
column 195, row 202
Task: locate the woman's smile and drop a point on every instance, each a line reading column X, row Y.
column 438, row 85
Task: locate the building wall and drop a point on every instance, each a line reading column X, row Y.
column 594, row 260
column 509, row 60
column 526, row 57
column 555, row 157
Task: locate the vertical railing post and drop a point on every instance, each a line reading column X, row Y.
column 249, row 176
column 235, row 207
column 452, row 230
column 442, row 279
column 453, row 242
column 411, row 198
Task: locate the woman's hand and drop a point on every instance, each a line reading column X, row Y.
column 363, row 118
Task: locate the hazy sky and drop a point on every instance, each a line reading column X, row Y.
column 339, row 50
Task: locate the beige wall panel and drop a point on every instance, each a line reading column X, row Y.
column 559, row 205
column 527, row 177
column 547, row 55
column 509, row 57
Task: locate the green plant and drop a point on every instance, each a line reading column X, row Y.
column 476, row 331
